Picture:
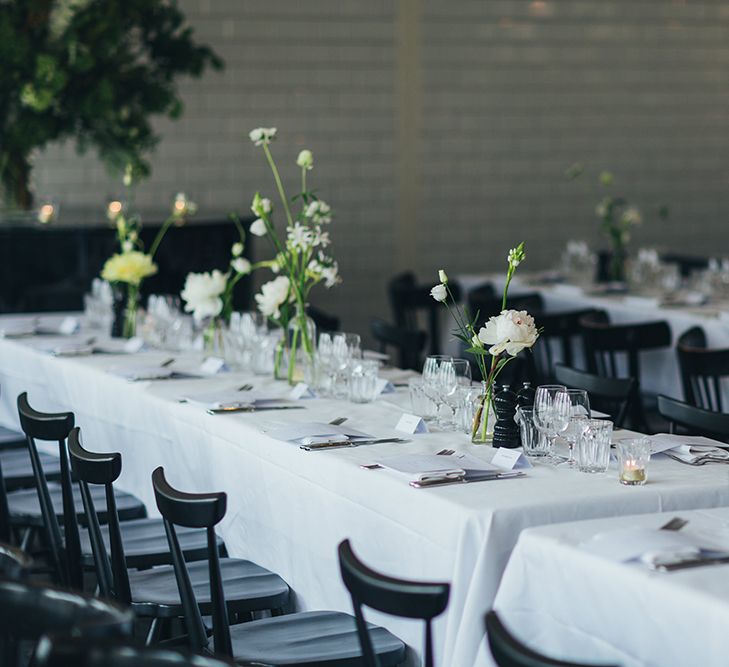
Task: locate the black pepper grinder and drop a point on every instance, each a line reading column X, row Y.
column 525, row 396
column 506, row 430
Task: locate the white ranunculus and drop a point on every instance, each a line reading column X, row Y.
column 511, row 331
column 439, row 292
column 202, row 294
column 237, row 249
column 262, row 135
column 258, row 227
column 241, row 265
column 305, row 159
column 273, row 295
column 443, row 276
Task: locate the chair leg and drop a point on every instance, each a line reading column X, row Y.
column 154, row 632
column 27, row 539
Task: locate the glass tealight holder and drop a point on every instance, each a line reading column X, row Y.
column 633, row 457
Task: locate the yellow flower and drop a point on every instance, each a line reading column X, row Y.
column 128, row 267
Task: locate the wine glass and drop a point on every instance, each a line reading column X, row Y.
column 452, row 376
column 431, row 377
column 551, row 411
column 578, row 421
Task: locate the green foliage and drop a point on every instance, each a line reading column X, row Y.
column 93, row 70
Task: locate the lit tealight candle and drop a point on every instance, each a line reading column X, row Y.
column 632, row 473
column 46, row 213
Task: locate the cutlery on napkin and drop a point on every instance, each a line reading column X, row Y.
column 317, row 433
column 250, row 407
column 338, row 444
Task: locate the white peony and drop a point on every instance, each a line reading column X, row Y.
column 439, row 292
column 258, row 227
column 510, row 332
column 305, row 160
column 262, row 135
column 241, row 265
column 273, row 295
column 202, row 294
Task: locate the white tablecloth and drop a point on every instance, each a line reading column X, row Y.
column 288, row 509
column 578, row 606
column 660, row 373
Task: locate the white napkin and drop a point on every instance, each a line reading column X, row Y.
column 429, row 467
column 17, row 328
column 680, row 445
column 72, row 350
column 216, row 400
column 137, row 373
column 643, row 544
column 313, row 433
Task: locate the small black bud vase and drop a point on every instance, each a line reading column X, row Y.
column 525, row 396
column 506, row 430
column 119, row 310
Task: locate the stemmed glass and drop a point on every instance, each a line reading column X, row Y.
column 578, row 421
column 551, row 412
column 431, row 377
column 453, row 375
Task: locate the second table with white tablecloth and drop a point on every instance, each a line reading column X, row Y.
column 288, row 508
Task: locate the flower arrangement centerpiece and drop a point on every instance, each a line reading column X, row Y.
column 617, row 219
column 494, row 345
column 127, row 268
column 300, row 260
column 209, row 296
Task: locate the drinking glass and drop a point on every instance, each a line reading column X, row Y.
column 363, row 381
column 452, row 375
column 593, row 446
column 551, row 411
column 420, row 404
column 579, row 414
column 431, row 378
column 633, row 457
column 534, row 442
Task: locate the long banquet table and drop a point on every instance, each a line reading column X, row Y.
column 288, row 509
column 579, row 605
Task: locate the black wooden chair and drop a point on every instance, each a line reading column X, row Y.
column 407, row 299
column 50, row 504
column 74, row 652
column 560, row 331
column 153, row 592
column 696, row 421
column 398, row 597
column 409, row 344
column 485, row 304
column 507, row 651
column 30, row 610
column 321, row 638
column 607, row 345
column 686, row 263
column 610, row 395
column 702, row 370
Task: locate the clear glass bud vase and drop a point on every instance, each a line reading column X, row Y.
column 300, row 347
column 482, row 430
column 214, row 338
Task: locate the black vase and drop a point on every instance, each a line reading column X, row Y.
column 506, row 430
column 119, row 306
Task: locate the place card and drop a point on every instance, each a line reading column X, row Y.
column 510, row 459
column 69, row 325
column 133, row 345
column 411, row 424
column 302, row 390
column 384, row 386
column 212, row 365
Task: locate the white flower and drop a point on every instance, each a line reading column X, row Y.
column 202, row 294
column 476, row 341
column 602, row 208
column 262, row 135
column 510, row 332
column 273, row 295
column 237, row 249
column 258, row 227
column 321, row 239
column 114, row 209
column 439, row 292
column 330, row 274
column 516, row 256
column 279, row 261
column 46, row 213
column 305, row 160
column 632, row 216
column 260, row 205
column 182, row 206
column 299, row 237
column 241, row 265
column 318, row 211
column 127, row 246
column 443, row 277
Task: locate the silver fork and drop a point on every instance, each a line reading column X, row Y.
column 445, row 452
column 701, row 461
column 338, row 421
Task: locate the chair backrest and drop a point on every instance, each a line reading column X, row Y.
column 398, row 597
column 409, row 344
column 14, row 563
column 31, row 610
column 696, row 420
column 65, row 651
column 686, row 263
column 606, row 343
column 196, row 510
column 65, row 548
column 702, row 370
column 561, row 330
column 103, row 469
column 484, row 303
column 407, row 298
column 611, row 395
column 324, row 321
column 507, row 651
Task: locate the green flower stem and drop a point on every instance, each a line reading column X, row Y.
column 130, row 312
column 279, row 185
column 160, row 235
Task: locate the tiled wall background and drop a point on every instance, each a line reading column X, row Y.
column 441, row 130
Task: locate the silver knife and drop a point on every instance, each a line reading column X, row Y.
column 251, row 408
column 465, row 479
column 349, row 443
column 686, row 564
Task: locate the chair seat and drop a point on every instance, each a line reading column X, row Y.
column 321, row 638
column 248, row 587
column 25, row 509
column 145, row 543
column 10, row 439
column 18, row 470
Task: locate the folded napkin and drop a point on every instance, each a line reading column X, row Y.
column 138, row 373
column 17, row 328
column 685, row 446
column 647, row 545
column 430, row 467
column 218, row 400
column 314, row 433
column 72, row 350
